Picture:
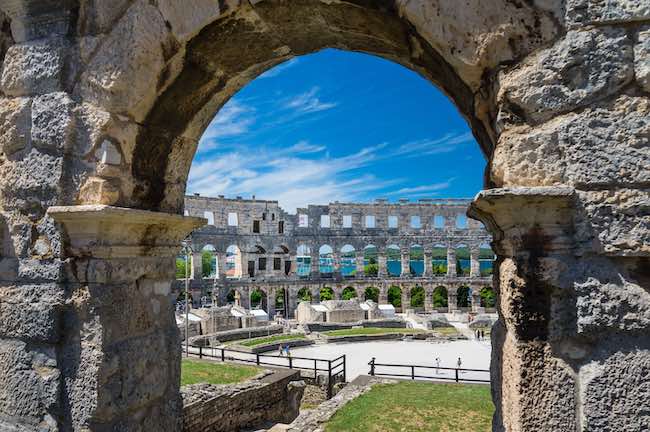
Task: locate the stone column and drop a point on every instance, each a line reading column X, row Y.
column 315, row 265
column 121, row 356
column 428, row 271
column 406, row 297
column 197, row 268
column 452, row 298
column 270, row 301
column 475, row 298
column 382, row 271
column 474, row 264
column 221, row 265
column 428, row 298
column 337, row 263
column 383, row 294
column 451, row 262
column 293, row 301
column 360, row 265
column 406, row 272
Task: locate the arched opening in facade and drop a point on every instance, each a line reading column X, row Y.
column 416, row 260
column 326, row 260
column 326, row 293
column 463, row 297
column 348, row 263
column 183, row 266
column 485, row 259
column 231, row 296
column 304, row 294
column 282, row 301
column 439, row 260
column 463, row 261
column 393, row 260
column 370, row 261
column 417, row 297
column 372, row 293
column 209, row 262
column 303, row 260
column 440, row 298
column 257, row 261
column 259, row 300
column 233, row 262
column 488, row 297
column 348, row 293
column 395, row 296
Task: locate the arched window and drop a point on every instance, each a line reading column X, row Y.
column 233, row 262
column 417, row 297
column 463, row 263
column 303, row 260
column 461, row 221
column 372, row 293
column 395, row 296
column 488, row 297
column 326, row 260
column 348, row 261
column 209, row 262
column 463, row 297
column 259, row 300
column 326, row 293
column 304, row 294
column 370, row 264
column 485, row 259
column 393, row 260
column 348, row 293
column 439, row 260
column 440, row 297
column 416, row 260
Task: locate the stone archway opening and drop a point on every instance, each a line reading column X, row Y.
column 540, row 84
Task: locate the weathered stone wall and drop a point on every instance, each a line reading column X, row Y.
column 274, row 398
column 103, row 103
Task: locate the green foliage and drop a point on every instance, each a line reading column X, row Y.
column 416, row 254
column 486, row 271
column 371, row 331
column 371, row 269
column 417, row 297
column 270, row 339
column 181, row 265
column 462, row 270
column 196, row 371
column 304, row 294
column 439, row 253
column 488, row 297
column 256, row 297
column 440, row 299
column 372, row 293
column 207, row 260
column 395, row 296
column 349, row 293
column 462, row 297
column 326, row 293
column 462, row 253
column 439, row 268
column 485, row 254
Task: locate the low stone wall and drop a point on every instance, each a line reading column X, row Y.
column 323, row 327
column 384, row 323
column 363, row 338
column 274, row 398
column 274, row 346
column 214, row 339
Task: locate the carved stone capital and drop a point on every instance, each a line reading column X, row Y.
column 102, row 231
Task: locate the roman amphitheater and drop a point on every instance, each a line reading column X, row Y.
column 254, row 245
column 103, row 105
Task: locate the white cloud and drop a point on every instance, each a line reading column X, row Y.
column 277, row 70
column 446, row 144
column 233, row 119
column 309, row 102
column 424, row 189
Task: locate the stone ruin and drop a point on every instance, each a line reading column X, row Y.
column 104, row 102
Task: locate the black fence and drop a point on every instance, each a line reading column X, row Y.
column 435, row 373
column 334, row 368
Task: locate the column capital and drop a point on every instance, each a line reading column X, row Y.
column 102, row 231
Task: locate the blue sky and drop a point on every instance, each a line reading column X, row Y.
column 337, row 125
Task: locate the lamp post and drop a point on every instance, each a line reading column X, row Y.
column 187, row 250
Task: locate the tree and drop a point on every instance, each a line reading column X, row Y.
column 440, row 299
column 395, row 296
column 417, row 297
column 371, row 269
column 348, row 293
column 181, row 265
column 304, row 295
column 488, row 297
column 372, row 293
column 326, row 293
column 256, row 298
column 207, row 259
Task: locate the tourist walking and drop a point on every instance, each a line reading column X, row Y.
column 459, row 363
column 288, row 352
column 482, row 334
column 281, row 350
column 437, row 365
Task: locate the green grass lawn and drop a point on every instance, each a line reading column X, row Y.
column 270, row 339
column 197, row 371
column 370, row 331
column 446, row 331
column 417, row 406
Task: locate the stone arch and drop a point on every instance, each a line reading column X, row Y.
column 348, row 260
column 209, row 262
column 394, row 296
column 157, row 73
column 439, row 260
column 370, row 260
column 416, row 260
column 233, row 262
column 418, row 297
column 259, row 299
column 303, row 260
column 463, row 259
column 371, row 293
column 440, row 297
column 304, row 294
column 349, row 293
column 394, row 260
column 463, row 297
column 326, row 260
column 485, row 259
column 327, row 293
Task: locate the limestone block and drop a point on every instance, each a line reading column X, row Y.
column 34, row 67
column 39, row 322
column 583, row 67
column 26, row 368
column 585, row 12
column 124, row 73
column 97, row 190
column 187, row 18
column 15, row 124
column 642, row 59
column 615, row 388
column 601, row 146
column 52, row 121
column 35, row 175
column 97, row 16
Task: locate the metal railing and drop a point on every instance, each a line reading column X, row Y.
column 335, row 368
column 415, row 372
